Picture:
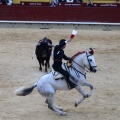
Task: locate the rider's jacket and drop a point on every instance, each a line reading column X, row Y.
column 59, row 54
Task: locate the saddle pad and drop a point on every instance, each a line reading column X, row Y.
column 56, row 74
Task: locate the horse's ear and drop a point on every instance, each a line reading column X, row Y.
column 91, row 51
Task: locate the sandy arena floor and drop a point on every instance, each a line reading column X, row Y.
column 17, row 68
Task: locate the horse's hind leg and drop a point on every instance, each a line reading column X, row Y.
column 50, row 100
column 57, row 107
column 51, row 106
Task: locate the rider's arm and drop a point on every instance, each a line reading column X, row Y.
column 65, row 57
column 69, row 40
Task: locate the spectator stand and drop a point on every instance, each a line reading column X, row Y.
column 35, row 2
column 53, row 3
column 3, row 2
column 106, row 3
column 81, row 3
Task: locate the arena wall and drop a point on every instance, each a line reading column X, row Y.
column 60, row 14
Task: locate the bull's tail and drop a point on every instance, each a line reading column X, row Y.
column 23, row 91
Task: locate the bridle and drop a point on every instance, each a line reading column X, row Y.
column 77, row 71
column 91, row 67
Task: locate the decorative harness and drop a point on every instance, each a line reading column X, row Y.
column 76, row 71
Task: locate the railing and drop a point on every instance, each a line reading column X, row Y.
column 60, row 2
column 60, row 25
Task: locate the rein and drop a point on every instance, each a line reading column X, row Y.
column 76, row 71
column 76, row 62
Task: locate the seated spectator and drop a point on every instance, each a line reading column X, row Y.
column 81, row 1
column 89, row 4
column 117, row 1
column 8, row 2
column 54, row 3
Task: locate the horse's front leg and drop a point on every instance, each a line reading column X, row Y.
column 91, row 88
column 85, row 95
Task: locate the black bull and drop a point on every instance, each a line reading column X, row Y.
column 43, row 53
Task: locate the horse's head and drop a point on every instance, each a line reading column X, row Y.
column 89, row 61
column 85, row 59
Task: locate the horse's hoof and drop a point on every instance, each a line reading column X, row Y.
column 63, row 113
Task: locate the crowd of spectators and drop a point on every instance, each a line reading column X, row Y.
column 54, row 3
column 89, row 4
column 7, row 2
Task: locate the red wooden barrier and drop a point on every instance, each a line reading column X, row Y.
column 60, row 13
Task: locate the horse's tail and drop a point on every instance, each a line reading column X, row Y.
column 22, row 91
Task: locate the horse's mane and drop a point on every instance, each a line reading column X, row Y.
column 77, row 54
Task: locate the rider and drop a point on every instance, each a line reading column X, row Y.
column 58, row 56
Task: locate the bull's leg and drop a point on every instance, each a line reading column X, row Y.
column 48, row 62
column 40, row 68
column 43, row 62
column 39, row 61
column 46, row 66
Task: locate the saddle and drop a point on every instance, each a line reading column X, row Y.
column 72, row 83
column 58, row 75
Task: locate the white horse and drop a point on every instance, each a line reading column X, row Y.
column 47, row 85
